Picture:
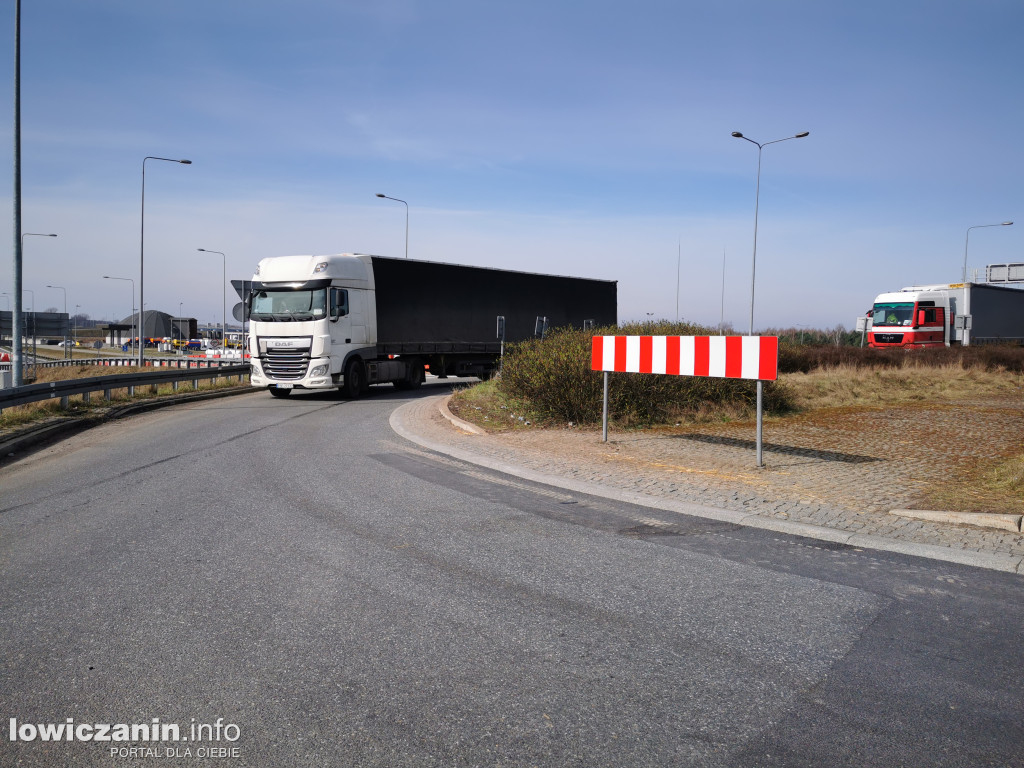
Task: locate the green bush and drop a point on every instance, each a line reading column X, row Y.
column 554, row 378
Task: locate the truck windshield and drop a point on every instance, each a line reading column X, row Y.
column 282, row 305
column 893, row 314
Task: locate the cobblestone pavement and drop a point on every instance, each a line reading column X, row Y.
column 845, row 475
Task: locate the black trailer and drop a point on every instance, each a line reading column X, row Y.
column 448, row 313
column 997, row 314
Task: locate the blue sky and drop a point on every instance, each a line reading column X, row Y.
column 580, row 138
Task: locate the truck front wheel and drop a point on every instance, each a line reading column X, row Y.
column 355, row 379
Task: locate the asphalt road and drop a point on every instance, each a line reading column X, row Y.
column 334, row 595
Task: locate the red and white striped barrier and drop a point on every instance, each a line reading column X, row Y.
column 731, row 357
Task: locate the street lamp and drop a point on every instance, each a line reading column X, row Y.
column 406, row 219
column 223, row 301
column 753, row 266
column 968, row 239
column 60, row 288
column 34, row 361
column 132, row 315
column 757, row 201
column 142, row 248
column 17, row 320
column 65, row 312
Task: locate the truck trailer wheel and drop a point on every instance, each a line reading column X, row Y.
column 355, row 380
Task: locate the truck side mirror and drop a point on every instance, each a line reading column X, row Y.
column 339, row 304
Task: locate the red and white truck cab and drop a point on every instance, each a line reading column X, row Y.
column 915, row 317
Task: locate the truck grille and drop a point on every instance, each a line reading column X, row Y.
column 888, row 338
column 286, row 363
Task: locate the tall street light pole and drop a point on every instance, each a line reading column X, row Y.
column 18, row 318
column 130, row 280
column 142, row 250
column 61, row 288
column 753, row 267
column 33, row 295
column 968, row 239
column 406, row 219
column 965, row 311
column 223, row 301
column 757, row 202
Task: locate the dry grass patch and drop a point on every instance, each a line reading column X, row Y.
column 845, row 385
column 983, row 488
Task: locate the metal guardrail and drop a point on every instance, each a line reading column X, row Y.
column 160, row 362
column 34, row 393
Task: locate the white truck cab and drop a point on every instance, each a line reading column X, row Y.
column 313, row 322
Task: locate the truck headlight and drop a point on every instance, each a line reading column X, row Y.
column 254, row 368
column 320, row 370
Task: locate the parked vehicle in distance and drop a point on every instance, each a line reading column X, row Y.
column 941, row 315
column 347, row 321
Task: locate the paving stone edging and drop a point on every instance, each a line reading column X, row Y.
column 979, row 519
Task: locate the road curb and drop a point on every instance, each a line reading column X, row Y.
column 977, row 519
column 458, row 423
column 401, row 423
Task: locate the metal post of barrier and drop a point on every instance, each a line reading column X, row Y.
column 760, row 420
column 604, row 411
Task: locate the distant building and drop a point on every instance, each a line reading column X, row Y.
column 155, row 324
